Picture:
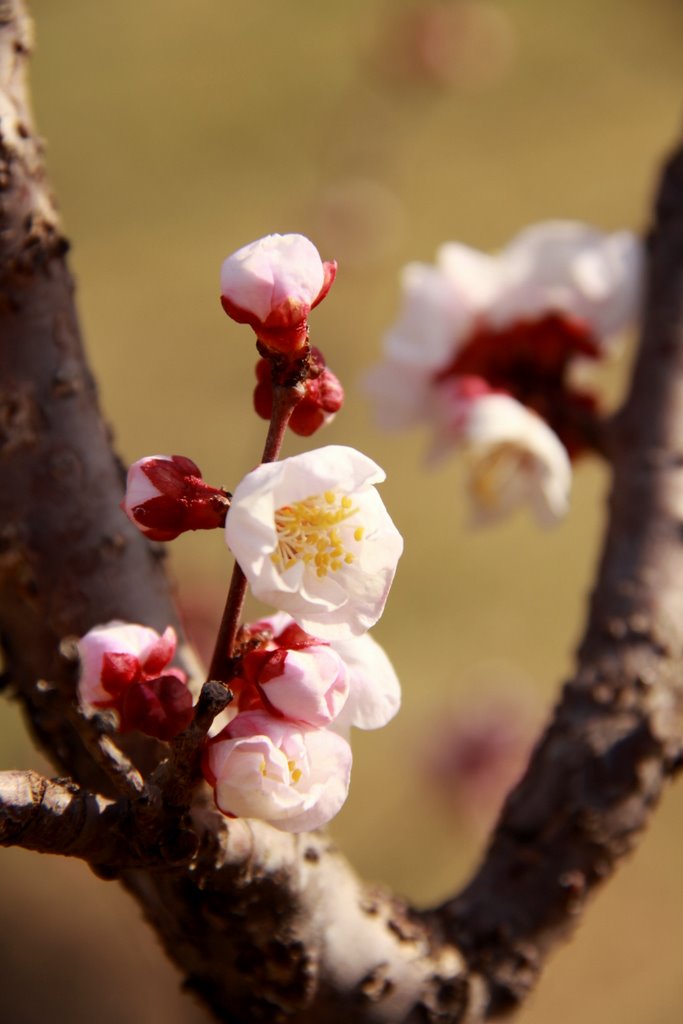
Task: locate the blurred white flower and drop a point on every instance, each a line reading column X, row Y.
column 514, row 458
column 515, row 323
column 572, row 268
column 557, row 267
column 313, row 537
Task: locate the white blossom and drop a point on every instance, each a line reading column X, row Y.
column 572, row 268
column 513, row 456
column 313, row 537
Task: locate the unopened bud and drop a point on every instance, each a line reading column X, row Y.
column 272, row 285
column 166, row 496
column 161, row 707
column 126, row 668
column 323, row 398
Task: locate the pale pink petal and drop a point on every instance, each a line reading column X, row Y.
column 312, row 687
column 374, row 689
column 572, row 268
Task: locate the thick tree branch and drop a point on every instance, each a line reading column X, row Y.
column 616, row 734
column 59, row 817
column 54, row 817
column 264, row 925
column 68, row 557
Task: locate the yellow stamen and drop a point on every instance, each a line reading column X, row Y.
column 499, row 471
column 309, row 531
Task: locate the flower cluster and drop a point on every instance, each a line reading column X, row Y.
column 285, row 757
column 485, row 350
column 126, row 668
column 311, row 536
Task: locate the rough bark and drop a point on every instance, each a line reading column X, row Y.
column 266, row 926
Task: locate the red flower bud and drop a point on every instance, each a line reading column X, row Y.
column 323, row 398
column 161, row 707
column 166, row 496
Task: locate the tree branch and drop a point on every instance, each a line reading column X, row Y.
column 264, row 925
column 616, row 736
column 54, row 817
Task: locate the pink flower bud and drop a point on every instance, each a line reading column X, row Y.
column 308, row 685
column 323, row 398
column 115, row 655
column 124, row 667
column 374, row 692
column 268, row 768
column 272, row 285
column 166, row 496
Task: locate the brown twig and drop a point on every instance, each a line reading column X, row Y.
column 177, row 777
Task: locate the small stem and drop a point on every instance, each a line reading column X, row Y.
column 176, row 776
column 285, row 398
column 121, row 771
column 221, row 668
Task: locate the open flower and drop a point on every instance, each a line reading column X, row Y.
column 272, row 285
column 519, row 321
column 166, row 496
column 263, row 767
column 514, row 457
column 354, row 684
column 125, row 667
column 559, row 269
column 312, row 536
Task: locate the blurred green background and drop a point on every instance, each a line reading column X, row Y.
column 178, row 132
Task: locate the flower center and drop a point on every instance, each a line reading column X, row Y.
column 294, row 772
column 499, row 472
column 531, row 360
column 308, row 531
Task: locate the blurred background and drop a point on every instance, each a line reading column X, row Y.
column 178, row 132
